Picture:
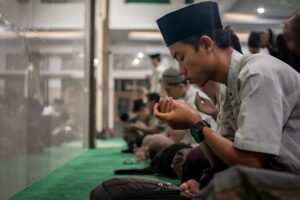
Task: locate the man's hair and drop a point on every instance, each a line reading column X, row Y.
column 153, row 96
column 224, row 38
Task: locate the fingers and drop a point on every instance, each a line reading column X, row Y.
column 170, row 105
column 157, row 113
column 186, row 190
column 191, row 188
column 184, row 186
column 165, row 104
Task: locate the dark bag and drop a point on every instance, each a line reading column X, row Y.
column 135, row 188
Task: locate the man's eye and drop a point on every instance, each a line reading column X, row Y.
column 181, row 58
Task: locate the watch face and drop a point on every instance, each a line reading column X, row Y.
column 195, row 135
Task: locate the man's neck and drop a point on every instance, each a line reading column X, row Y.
column 223, row 63
column 156, row 65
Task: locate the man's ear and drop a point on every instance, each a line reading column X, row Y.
column 206, row 42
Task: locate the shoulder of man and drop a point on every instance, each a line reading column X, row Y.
column 263, row 64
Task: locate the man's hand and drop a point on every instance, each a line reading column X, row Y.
column 206, row 106
column 177, row 114
column 190, row 187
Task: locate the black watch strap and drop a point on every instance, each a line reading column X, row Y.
column 196, row 130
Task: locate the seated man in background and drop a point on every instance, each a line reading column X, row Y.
column 176, row 86
column 144, row 124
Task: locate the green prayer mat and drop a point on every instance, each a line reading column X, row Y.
column 75, row 179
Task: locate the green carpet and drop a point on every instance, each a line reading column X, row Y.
column 75, row 179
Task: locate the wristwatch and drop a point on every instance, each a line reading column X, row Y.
column 196, row 130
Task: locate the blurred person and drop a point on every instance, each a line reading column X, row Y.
column 151, row 145
column 268, row 39
column 291, row 32
column 152, row 99
column 64, row 124
column 176, row 86
column 282, row 46
column 32, row 85
column 144, row 124
column 155, row 78
column 253, row 42
column 142, row 93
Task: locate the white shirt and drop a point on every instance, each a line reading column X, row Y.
column 260, row 109
column 155, row 80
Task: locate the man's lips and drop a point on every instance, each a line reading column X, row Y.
column 190, row 81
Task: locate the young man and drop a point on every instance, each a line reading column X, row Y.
column 259, row 119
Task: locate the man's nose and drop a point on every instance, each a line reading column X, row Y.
column 182, row 69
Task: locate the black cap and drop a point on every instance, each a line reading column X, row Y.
column 192, row 20
column 153, row 96
column 172, row 76
column 156, row 55
column 254, row 39
column 138, row 105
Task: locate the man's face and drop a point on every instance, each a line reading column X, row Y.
column 174, row 91
column 150, row 105
column 291, row 33
column 154, row 62
column 264, row 39
column 144, row 114
column 198, row 67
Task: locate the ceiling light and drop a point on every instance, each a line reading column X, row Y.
column 239, row 16
column 140, row 55
column 260, row 10
column 135, row 62
column 145, row 35
column 243, row 37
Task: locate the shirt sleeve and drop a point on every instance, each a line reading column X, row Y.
column 260, row 119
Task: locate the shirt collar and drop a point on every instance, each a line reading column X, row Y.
column 234, row 69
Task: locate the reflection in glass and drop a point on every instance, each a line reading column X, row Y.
column 42, row 98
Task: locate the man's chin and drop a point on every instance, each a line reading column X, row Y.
column 198, row 84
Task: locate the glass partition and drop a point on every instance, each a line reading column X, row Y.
column 43, row 88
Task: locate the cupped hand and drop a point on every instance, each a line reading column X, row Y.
column 205, row 105
column 177, row 114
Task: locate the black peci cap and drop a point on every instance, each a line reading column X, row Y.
column 156, row 55
column 192, row 20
